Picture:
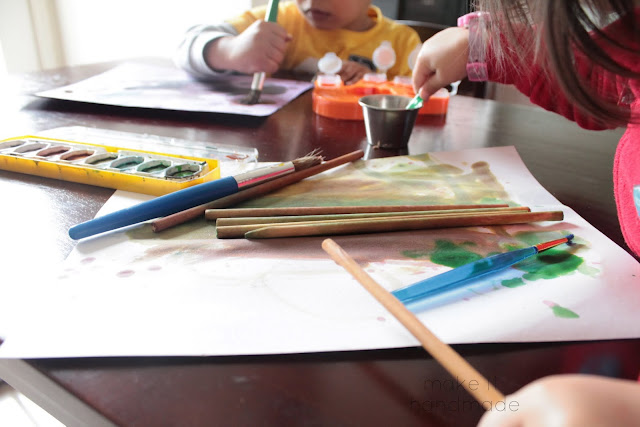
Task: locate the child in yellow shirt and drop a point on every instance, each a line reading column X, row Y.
column 305, row 31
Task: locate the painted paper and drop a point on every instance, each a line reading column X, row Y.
column 183, row 292
column 169, row 88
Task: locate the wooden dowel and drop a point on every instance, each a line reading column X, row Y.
column 240, row 231
column 331, row 210
column 379, row 225
column 253, row 192
column 474, row 382
column 224, row 222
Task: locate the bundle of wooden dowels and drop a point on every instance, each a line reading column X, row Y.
column 264, row 223
column 333, row 220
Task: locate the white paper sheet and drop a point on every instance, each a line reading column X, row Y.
column 169, row 88
column 184, row 292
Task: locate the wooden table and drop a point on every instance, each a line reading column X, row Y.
column 387, row 387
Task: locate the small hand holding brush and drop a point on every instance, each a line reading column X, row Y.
column 189, row 197
column 258, row 78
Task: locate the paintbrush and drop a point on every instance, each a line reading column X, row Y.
column 189, row 197
column 416, row 102
column 169, row 221
column 474, row 382
column 464, row 274
column 258, row 78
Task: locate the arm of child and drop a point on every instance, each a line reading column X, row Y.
column 261, row 47
column 209, row 50
column 190, row 53
column 442, row 60
column 570, row 400
column 544, row 90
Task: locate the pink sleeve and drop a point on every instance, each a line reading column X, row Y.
column 543, row 90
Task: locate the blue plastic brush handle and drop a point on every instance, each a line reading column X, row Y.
column 154, row 208
column 460, row 276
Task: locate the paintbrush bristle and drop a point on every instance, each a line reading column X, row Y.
column 253, row 97
column 305, row 162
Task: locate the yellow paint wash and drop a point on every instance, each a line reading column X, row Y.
column 105, row 166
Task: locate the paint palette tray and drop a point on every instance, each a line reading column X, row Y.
column 341, row 102
column 105, row 166
column 224, row 153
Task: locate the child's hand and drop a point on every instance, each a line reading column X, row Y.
column 442, row 60
column 352, row 72
column 261, row 47
column 570, row 400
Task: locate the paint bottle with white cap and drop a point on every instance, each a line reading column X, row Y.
column 384, row 57
column 329, row 66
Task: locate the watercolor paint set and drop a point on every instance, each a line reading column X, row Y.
column 194, row 147
column 105, row 166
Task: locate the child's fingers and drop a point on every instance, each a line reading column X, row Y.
column 273, row 60
column 352, row 78
column 441, row 61
column 434, row 83
column 280, row 45
column 265, row 27
column 261, row 61
column 278, row 50
column 351, row 72
column 266, row 36
column 270, row 48
column 422, row 73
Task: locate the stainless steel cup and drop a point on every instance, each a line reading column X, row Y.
column 387, row 120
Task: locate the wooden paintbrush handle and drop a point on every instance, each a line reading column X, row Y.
column 465, row 374
column 253, row 192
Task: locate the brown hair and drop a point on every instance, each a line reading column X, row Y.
column 562, row 26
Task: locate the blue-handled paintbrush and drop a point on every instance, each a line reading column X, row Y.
column 189, row 197
column 464, row 274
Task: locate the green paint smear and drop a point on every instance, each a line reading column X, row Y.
column 444, row 246
column 493, row 200
column 415, row 254
column 513, row 283
column 550, row 264
column 532, row 238
column 390, row 181
column 452, row 255
column 588, row 270
column 564, row 313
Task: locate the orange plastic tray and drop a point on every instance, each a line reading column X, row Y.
column 342, row 102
